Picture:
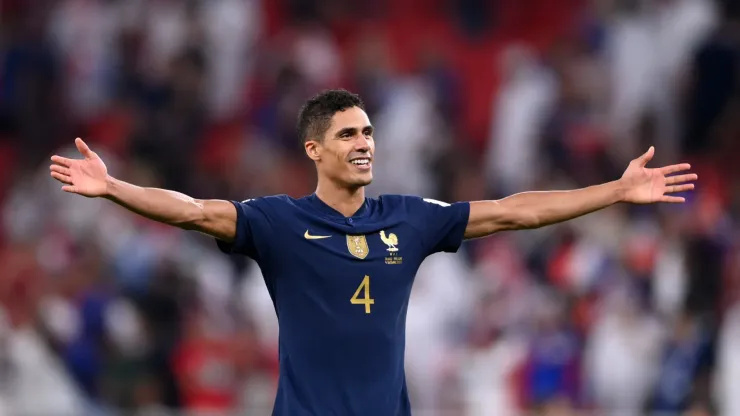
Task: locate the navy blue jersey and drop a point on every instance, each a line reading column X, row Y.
column 340, row 286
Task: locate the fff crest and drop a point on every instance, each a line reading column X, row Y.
column 357, row 246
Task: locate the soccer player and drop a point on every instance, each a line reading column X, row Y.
column 339, row 266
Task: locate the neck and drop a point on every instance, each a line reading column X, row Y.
column 344, row 200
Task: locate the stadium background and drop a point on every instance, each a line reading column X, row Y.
column 628, row 310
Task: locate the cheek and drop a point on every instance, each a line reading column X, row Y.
column 333, row 157
column 339, row 155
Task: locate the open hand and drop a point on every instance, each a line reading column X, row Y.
column 645, row 185
column 86, row 177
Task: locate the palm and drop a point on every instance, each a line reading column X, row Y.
column 86, row 176
column 645, row 185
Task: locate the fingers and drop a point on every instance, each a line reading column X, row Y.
column 69, row 188
column 60, row 169
column 61, row 173
column 675, row 168
column 672, row 180
column 679, row 188
column 647, row 156
column 62, row 161
column 673, row 199
column 61, row 178
column 82, row 147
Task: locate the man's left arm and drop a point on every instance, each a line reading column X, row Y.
column 527, row 210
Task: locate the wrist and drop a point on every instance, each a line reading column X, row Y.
column 619, row 190
column 110, row 187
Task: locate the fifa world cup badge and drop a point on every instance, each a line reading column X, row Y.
column 357, row 246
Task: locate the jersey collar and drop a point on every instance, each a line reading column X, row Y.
column 325, row 209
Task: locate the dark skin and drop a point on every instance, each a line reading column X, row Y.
column 341, row 185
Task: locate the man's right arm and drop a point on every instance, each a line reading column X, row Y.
column 89, row 177
column 216, row 218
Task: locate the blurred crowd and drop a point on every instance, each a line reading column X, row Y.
column 632, row 310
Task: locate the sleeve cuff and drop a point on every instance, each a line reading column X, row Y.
column 457, row 236
column 235, row 246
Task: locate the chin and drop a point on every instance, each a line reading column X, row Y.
column 364, row 180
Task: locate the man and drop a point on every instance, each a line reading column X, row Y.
column 339, row 266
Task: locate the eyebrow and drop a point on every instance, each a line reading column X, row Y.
column 352, row 130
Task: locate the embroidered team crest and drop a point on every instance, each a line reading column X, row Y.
column 357, row 246
column 390, row 240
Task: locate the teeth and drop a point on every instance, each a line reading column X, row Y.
column 360, row 161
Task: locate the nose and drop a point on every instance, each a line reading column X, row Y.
column 362, row 144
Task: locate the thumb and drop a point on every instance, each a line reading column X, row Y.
column 82, row 147
column 646, row 157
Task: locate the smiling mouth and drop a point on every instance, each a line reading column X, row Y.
column 360, row 161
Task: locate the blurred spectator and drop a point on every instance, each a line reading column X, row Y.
column 232, row 30
column 84, row 35
column 728, row 364
column 685, row 365
column 440, row 305
column 631, row 54
column 621, row 357
column 519, row 112
column 495, row 357
column 415, row 134
column 551, row 373
column 713, row 82
column 682, row 25
column 316, row 56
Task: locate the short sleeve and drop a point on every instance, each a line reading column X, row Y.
column 252, row 224
column 442, row 225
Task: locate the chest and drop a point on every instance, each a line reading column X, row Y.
column 387, row 250
column 355, row 271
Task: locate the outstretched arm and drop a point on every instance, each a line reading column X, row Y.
column 526, row 210
column 89, row 177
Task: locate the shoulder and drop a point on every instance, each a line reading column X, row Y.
column 271, row 207
column 416, row 210
column 410, row 202
column 269, row 201
column 421, row 210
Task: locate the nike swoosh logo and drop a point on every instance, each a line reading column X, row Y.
column 314, row 237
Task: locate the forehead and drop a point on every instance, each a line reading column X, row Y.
column 350, row 118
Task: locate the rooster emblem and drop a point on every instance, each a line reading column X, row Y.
column 391, row 241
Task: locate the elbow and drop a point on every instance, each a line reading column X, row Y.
column 524, row 224
column 530, row 222
column 505, row 215
column 194, row 218
column 521, row 220
column 513, row 222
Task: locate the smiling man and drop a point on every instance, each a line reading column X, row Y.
column 339, row 266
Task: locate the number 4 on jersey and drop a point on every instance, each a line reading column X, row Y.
column 366, row 299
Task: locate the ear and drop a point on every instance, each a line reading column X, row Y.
column 313, row 150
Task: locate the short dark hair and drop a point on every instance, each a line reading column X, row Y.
column 315, row 116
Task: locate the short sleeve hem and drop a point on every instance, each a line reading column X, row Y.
column 457, row 234
column 240, row 237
